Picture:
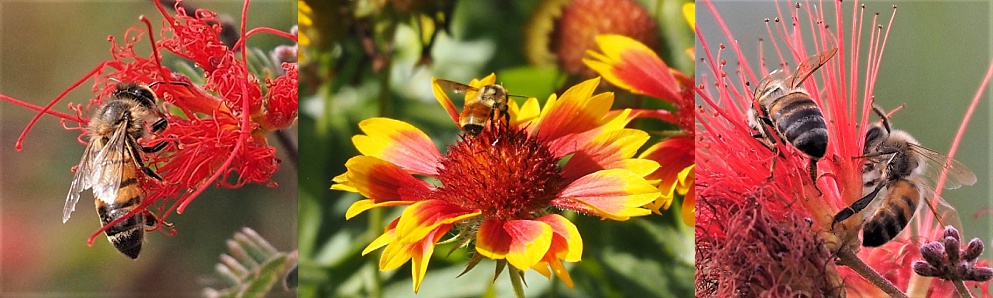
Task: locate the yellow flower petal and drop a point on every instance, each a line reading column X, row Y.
column 616, row 194
column 399, row 143
column 689, row 12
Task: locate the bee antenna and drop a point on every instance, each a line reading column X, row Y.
column 115, row 80
column 882, row 117
column 184, row 84
column 518, row 96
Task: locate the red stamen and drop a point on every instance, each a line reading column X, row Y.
column 44, row 110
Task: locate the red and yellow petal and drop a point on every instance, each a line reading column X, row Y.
column 631, row 65
column 521, row 242
column 566, row 245
column 419, row 253
column 616, row 194
column 557, row 267
column 399, row 143
column 421, row 218
column 439, row 93
column 609, row 150
column 380, row 181
column 388, row 236
column 689, row 200
column 674, row 155
column 574, row 112
column 566, row 242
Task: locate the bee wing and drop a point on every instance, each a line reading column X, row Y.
column 81, row 181
column 807, row 67
column 771, row 82
column 958, row 173
column 455, row 87
column 943, row 212
column 108, row 165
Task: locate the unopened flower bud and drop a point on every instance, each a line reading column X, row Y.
column 934, row 253
column 924, row 269
column 973, row 250
column 980, row 274
column 950, row 231
column 952, row 248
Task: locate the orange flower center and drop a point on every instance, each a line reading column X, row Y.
column 503, row 172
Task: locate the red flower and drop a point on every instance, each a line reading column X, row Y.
column 217, row 131
column 632, row 65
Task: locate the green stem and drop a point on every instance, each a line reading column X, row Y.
column 962, row 289
column 375, row 224
column 849, row 259
column 515, row 279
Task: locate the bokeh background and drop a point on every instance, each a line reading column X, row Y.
column 936, row 56
column 370, row 58
column 44, row 47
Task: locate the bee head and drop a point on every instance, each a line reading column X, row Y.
column 141, row 94
column 494, row 93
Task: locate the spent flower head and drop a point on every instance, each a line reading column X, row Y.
column 504, row 189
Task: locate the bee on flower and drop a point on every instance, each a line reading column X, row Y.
column 504, row 189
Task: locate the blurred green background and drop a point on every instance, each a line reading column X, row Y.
column 44, row 47
column 351, row 75
column 936, row 56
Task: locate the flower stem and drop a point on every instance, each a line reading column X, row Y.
column 849, row 259
column 515, row 279
column 962, row 289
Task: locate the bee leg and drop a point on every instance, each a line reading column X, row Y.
column 156, row 148
column 141, row 164
column 856, row 207
column 812, row 169
column 152, row 221
column 160, row 125
column 772, row 165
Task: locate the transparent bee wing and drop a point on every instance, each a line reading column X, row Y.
column 81, row 181
column 108, row 166
column 455, row 87
column 942, row 211
column 958, row 173
column 807, row 67
column 769, row 84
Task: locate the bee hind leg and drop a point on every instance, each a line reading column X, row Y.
column 812, row 169
column 154, row 148
column 856, row 207
column 160, row 125
column 141, row 164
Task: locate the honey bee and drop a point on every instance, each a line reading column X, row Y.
column 894, row 185
column 111, row 162
column 490, row 103
column 783, row 105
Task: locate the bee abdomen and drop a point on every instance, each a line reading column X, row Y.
column 888, row 222
column 128, row 234
column 801, row 123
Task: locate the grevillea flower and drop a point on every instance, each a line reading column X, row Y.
column 633, row 66
column 735, row 167
column 216, row 131
column 502, row 189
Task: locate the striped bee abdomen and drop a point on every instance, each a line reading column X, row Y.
column 800, row 122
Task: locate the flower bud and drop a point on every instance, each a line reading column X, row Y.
column 952, row 248
column 981, row 274
column 924, row 269
column 973, row 250
column 934, row 253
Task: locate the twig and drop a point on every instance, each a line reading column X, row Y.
column 849, row 259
